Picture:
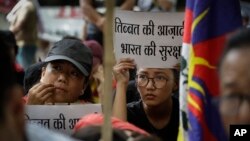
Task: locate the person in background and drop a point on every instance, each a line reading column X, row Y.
column 96, row 79
column 10, row 112
column 9, row 37
column 245, row 18
column 93, row 133
column 89, row 128
column 95, row 20
column 96, row 119
column 23, row 23
column 65, row 74
column 42, row 49
column 234, row 74
column 12, row 123
column 158, row 110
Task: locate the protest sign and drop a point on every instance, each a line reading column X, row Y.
column 61, row 118
column 152, row 39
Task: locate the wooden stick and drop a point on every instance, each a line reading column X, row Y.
column 108, row 65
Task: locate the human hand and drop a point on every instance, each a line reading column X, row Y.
column 40, row 93
column 91, row 15
column 87, row 11
column 121, row 70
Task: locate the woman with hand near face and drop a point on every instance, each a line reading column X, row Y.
column 158, row 111
column 64, row 75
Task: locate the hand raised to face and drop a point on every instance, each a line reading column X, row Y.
column 40, row 93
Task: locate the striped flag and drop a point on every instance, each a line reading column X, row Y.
column 207, row 22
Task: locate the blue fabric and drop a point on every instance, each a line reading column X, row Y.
column 26, row 55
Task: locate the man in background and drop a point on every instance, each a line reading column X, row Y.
column 234, row 71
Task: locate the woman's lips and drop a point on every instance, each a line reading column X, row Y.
column 60, row 89
column 150, row 96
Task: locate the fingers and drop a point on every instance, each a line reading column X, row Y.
column 43, row 86
column 122, row 67
column 126, row 60
column 120, row 70
column 47, row 96
column 124, row 64
column 46, row 91
column 39, row 93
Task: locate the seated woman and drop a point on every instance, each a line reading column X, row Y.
column 158, row 110
column 65, row 74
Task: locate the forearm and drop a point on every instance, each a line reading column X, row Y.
column 91, row 15
column 100, row 21
column 120, row 105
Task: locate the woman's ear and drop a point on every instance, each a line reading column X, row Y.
column 84, row 88
column 176, row 86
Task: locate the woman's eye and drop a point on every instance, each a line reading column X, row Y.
column 142, row 76
column 75, row 74
column 56, row 67
column 160, row 78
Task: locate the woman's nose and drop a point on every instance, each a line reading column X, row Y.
column 150, row 84
column 63, row 77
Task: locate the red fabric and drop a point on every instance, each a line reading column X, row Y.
column 7, row 5
column 188, row 25
column 97, row 119
column 18, row 68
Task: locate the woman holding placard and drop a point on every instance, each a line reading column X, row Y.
column 158, row 110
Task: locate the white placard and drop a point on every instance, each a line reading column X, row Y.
column 152, row 39
column 61, row 118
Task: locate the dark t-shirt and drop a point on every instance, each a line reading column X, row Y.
column 137, row 116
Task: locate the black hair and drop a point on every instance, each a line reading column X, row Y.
column 32, row 76
column 239, row 40
column 72, row 37
column 176, row 79
column 176, row 75
column 7, row 73
column 9, row 39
